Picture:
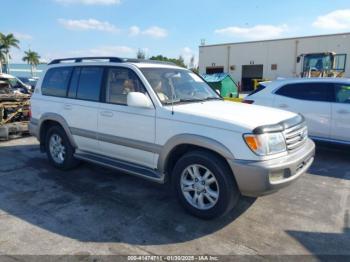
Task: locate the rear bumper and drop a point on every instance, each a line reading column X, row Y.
column 34, row 128
column 257, row 178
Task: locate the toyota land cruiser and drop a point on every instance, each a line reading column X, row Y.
column 164, row 123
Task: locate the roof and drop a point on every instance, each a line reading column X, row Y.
column 212, row 78
column 279, row 39
column 305, row 80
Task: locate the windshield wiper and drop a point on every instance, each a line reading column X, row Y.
column 212, row 98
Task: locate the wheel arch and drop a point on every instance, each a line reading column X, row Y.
column 49, row 119
column 180, row 144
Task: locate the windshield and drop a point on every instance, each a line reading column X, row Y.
column 178, row 85
column 14, row 82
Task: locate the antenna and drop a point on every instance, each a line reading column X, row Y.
column 202, row 42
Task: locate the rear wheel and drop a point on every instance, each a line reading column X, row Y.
column 204, row 184
column 59, row 150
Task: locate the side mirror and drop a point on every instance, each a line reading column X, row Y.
column 138, row 99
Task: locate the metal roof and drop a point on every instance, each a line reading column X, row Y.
column 279, row 39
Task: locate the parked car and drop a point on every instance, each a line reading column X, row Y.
column 29, row 81
column 15, row 83
column 164, row 123
column 325, row 103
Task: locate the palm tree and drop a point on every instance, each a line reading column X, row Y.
column 32, row 58
column 2, row 59
column 6, row 43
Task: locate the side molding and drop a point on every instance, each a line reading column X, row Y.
column 191, row 139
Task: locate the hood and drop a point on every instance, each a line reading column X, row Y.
column 232, row 115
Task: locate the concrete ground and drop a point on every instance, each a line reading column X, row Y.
column 92, row 210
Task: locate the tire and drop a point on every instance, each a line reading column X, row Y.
column 66, row 160
column 186, row 186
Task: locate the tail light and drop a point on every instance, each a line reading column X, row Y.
column 246, row 101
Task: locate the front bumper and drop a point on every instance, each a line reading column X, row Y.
column 257, row 178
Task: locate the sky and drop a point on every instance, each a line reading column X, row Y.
column 69, row 28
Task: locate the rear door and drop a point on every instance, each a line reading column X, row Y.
column 81, row 107
column 341, row 113
column 312, row 100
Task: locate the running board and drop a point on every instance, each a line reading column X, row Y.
column 120, row 165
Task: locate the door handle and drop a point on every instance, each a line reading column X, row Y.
column 343, row 111
column 67, row 107
column 283, row 106
column 106, row 113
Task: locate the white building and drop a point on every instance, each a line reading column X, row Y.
column 270, row 59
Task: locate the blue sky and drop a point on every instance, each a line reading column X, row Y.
column 61, row 28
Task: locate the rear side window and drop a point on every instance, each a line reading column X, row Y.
column 89, row 85
column 56, row 81
column 322, row 92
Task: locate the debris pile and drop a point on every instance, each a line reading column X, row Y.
column 14, row 112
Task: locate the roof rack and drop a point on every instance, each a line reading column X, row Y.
column 135, row 60
column 81, row 59
column 110, row 59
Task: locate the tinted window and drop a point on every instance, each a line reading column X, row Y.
column 342, row 93
column 56, row 81
column 308, row 91
column 74, row 82
column 90, row 83
column 121, row 81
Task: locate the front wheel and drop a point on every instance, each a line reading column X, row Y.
column 204, row 184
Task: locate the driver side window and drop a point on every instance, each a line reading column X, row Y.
column 342, row 93
column 120, row 82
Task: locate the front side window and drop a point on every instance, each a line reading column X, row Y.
column 121, row 81
column 178, row 85
column 56, row 81
column 90, row 81
column 342, row 93
column 322, row 92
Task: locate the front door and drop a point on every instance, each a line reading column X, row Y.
column 341, row 113
column 125, row 133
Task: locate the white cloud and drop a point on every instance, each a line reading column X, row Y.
column 253, row 33
column 87, row 24
column 89, row 2
column 107, row 50
column 134, row 31
column 154, row 31
column 22, row 36
column 187, row 54
column 336, row 20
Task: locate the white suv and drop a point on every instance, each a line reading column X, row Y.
column 164, row 123
column 324, row 102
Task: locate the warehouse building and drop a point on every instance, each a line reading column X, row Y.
column 270, row 59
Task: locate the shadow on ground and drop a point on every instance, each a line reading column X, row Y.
column 94, row 204
column 337, row 158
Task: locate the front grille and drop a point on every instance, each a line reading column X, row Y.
column 295, row 136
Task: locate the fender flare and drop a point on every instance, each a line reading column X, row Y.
column 191, row 139
column 59, row 119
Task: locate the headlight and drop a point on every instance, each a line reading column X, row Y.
column 266, row 144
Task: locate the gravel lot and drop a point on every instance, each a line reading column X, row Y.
column 92, row 210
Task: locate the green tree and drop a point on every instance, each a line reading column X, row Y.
column 140, row 54
column 2, row 59
column 6, row 43
column 178, row 61
column 32, row 58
